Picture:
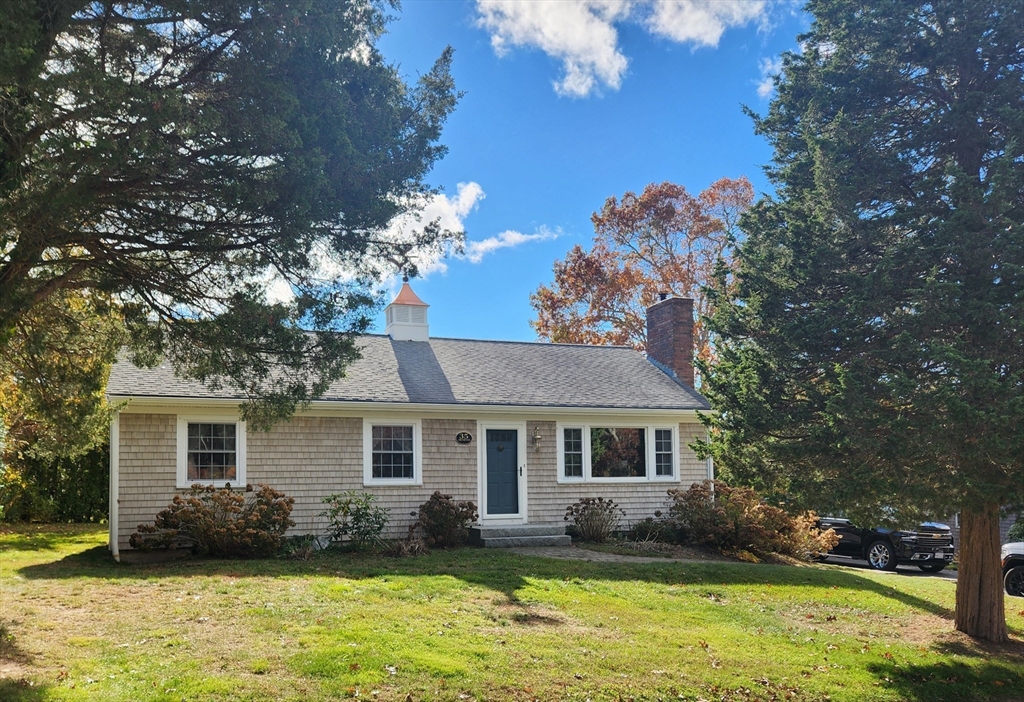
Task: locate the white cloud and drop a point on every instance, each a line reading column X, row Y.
column 770, row 67
column 583, row 34
column 450, row 212
column 701, row 22
column 476, row 250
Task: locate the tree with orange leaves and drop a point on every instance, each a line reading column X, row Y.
column 662, row 240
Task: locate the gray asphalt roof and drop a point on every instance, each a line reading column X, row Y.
column 466, row 372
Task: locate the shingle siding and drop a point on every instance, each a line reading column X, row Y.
column 547, row 499
column 147, row 469
column 312, row 457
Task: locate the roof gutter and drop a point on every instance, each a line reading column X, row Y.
column 138, row 402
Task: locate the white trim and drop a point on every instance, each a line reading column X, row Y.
column 327, row 408
column 649, row 458
column 417, row 450
column 182, row 452
column 481, row 456
column 711, row 460
column 115, row 482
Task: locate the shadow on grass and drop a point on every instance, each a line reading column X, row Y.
column 982, row 672
column 13, row 686
column 21, row 691
column 503, row 572
column 954, row 681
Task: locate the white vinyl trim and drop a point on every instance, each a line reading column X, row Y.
column 115, row 481
column 649, row 458
column 182, row 453
column 481, row 452
column 417, row 450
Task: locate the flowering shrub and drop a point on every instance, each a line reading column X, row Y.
column 444, row 521
column 220, row 522
column 736, row 520
column 593, row 518
column 354, row 515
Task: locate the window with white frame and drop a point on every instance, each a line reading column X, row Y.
column 210, row 451
column 616, row 453
column 391, row 452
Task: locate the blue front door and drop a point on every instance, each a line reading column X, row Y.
column 502, row 471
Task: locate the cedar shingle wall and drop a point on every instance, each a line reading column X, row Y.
column 547, row 500
column 309, row 458
column 147, row 469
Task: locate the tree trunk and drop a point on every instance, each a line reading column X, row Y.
column 979, row 585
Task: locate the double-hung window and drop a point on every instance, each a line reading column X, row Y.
column 392, row 452
column 210, row 451
column 615, row 453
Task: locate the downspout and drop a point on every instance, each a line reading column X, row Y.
column 709, row 460
column 115, row 481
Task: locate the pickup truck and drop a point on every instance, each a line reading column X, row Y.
column 1013, row 568
column 929, row 546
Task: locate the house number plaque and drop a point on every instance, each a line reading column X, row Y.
column 464, row 437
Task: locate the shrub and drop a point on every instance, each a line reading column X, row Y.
column 654, row 529
column 1016, row 532
column 220, row 522
column 444, row 521
column 412, row 545
column 593, row 518
column 354, row 514
column 735, row 520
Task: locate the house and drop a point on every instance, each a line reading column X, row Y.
column 521, row 429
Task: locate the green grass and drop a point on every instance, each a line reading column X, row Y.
column 474, row 625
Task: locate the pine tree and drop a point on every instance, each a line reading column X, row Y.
column 871, row 354
column 181, row 157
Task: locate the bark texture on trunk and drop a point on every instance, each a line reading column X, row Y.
column 979, row 585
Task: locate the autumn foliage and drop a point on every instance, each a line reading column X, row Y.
column 662, row 240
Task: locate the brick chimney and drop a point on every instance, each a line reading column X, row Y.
column 670, row 336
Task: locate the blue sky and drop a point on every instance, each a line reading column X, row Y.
column 568, row 102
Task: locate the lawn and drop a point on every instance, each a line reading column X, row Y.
column 476, row 624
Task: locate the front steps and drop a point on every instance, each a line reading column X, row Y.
column 522, row 535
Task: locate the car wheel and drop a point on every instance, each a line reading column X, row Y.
column 881, row 556
column 1014, row 581
column 931, row 567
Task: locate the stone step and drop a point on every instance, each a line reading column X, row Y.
column 517, row 541
column 499, row 532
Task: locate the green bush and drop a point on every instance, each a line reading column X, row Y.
column 737, row 521
column 444, row 521
column 59, row 489
column 1016, row 532
column 354, row 515
column 593, row 518
column 221, row 522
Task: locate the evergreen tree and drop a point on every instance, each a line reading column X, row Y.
column 181, row 157
column 871, row 356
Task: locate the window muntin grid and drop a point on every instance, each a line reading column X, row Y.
column 663, row 452
column 212, row 451
column 573, row 452
column 392, row 454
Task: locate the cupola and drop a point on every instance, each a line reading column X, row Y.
column 407, row 316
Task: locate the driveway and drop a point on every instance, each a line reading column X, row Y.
column 911, row 571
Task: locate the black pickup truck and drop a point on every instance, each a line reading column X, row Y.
column 929, row 547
